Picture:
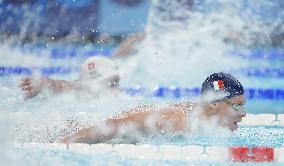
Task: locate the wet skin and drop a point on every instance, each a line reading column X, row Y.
column 230, row 112
column 172, row 118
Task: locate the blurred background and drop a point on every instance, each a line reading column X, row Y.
column 85, row 20
column 182, row 42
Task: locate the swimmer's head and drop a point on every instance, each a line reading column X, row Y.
column 220, row 87
column 99, row 68
column 225, row 99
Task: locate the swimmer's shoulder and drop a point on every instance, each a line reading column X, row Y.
column 185, row 107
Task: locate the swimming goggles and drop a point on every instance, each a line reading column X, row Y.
column 235, row 106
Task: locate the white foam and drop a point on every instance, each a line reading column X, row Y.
column 101, row 148
column 258, row 120
column 18, row 145
column 147, row 152
column 193, row 153
column 280, row 117
column 45, row 146
column 124, row 149
column 279, row 155
column 78, row 147
column 170, row 152
column 218, row 153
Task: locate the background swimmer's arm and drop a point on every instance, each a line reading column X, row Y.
column 58, row 85
column 140, row 118
column 126, row 46
column 34, row 87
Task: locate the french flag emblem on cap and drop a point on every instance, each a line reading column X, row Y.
column 91, row 65
column 218, row 85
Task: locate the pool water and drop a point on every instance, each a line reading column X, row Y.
column 29, row 130
column 270, row 136
column 49, row 158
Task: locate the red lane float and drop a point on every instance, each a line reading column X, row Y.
column 252, row 154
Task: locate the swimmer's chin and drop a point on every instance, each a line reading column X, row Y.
column 234, row 127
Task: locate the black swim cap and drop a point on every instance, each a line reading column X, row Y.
column 220, row 87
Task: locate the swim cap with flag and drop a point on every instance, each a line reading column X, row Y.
column 98, row 67
column 221, row 86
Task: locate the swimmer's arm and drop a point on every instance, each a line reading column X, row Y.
column 34, row 87
column 89, row 135
column 58, row 85
column 142, row 118
column 126, row 46
column 108, row 129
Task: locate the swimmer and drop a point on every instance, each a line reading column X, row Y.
column 222, row 101
column 96, row 70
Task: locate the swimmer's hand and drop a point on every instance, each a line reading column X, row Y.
column 33, row 87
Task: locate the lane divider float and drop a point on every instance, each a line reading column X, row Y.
column 170, row 152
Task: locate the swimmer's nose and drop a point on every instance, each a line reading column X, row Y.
column 243, row 113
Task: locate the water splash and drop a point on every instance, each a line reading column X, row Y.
column 187, row 42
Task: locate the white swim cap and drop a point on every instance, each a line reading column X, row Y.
column 98, row 67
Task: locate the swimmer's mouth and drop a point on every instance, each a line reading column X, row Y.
column 236, row 122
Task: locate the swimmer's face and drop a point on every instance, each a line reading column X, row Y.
column 231, row 111
column 113, row 80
